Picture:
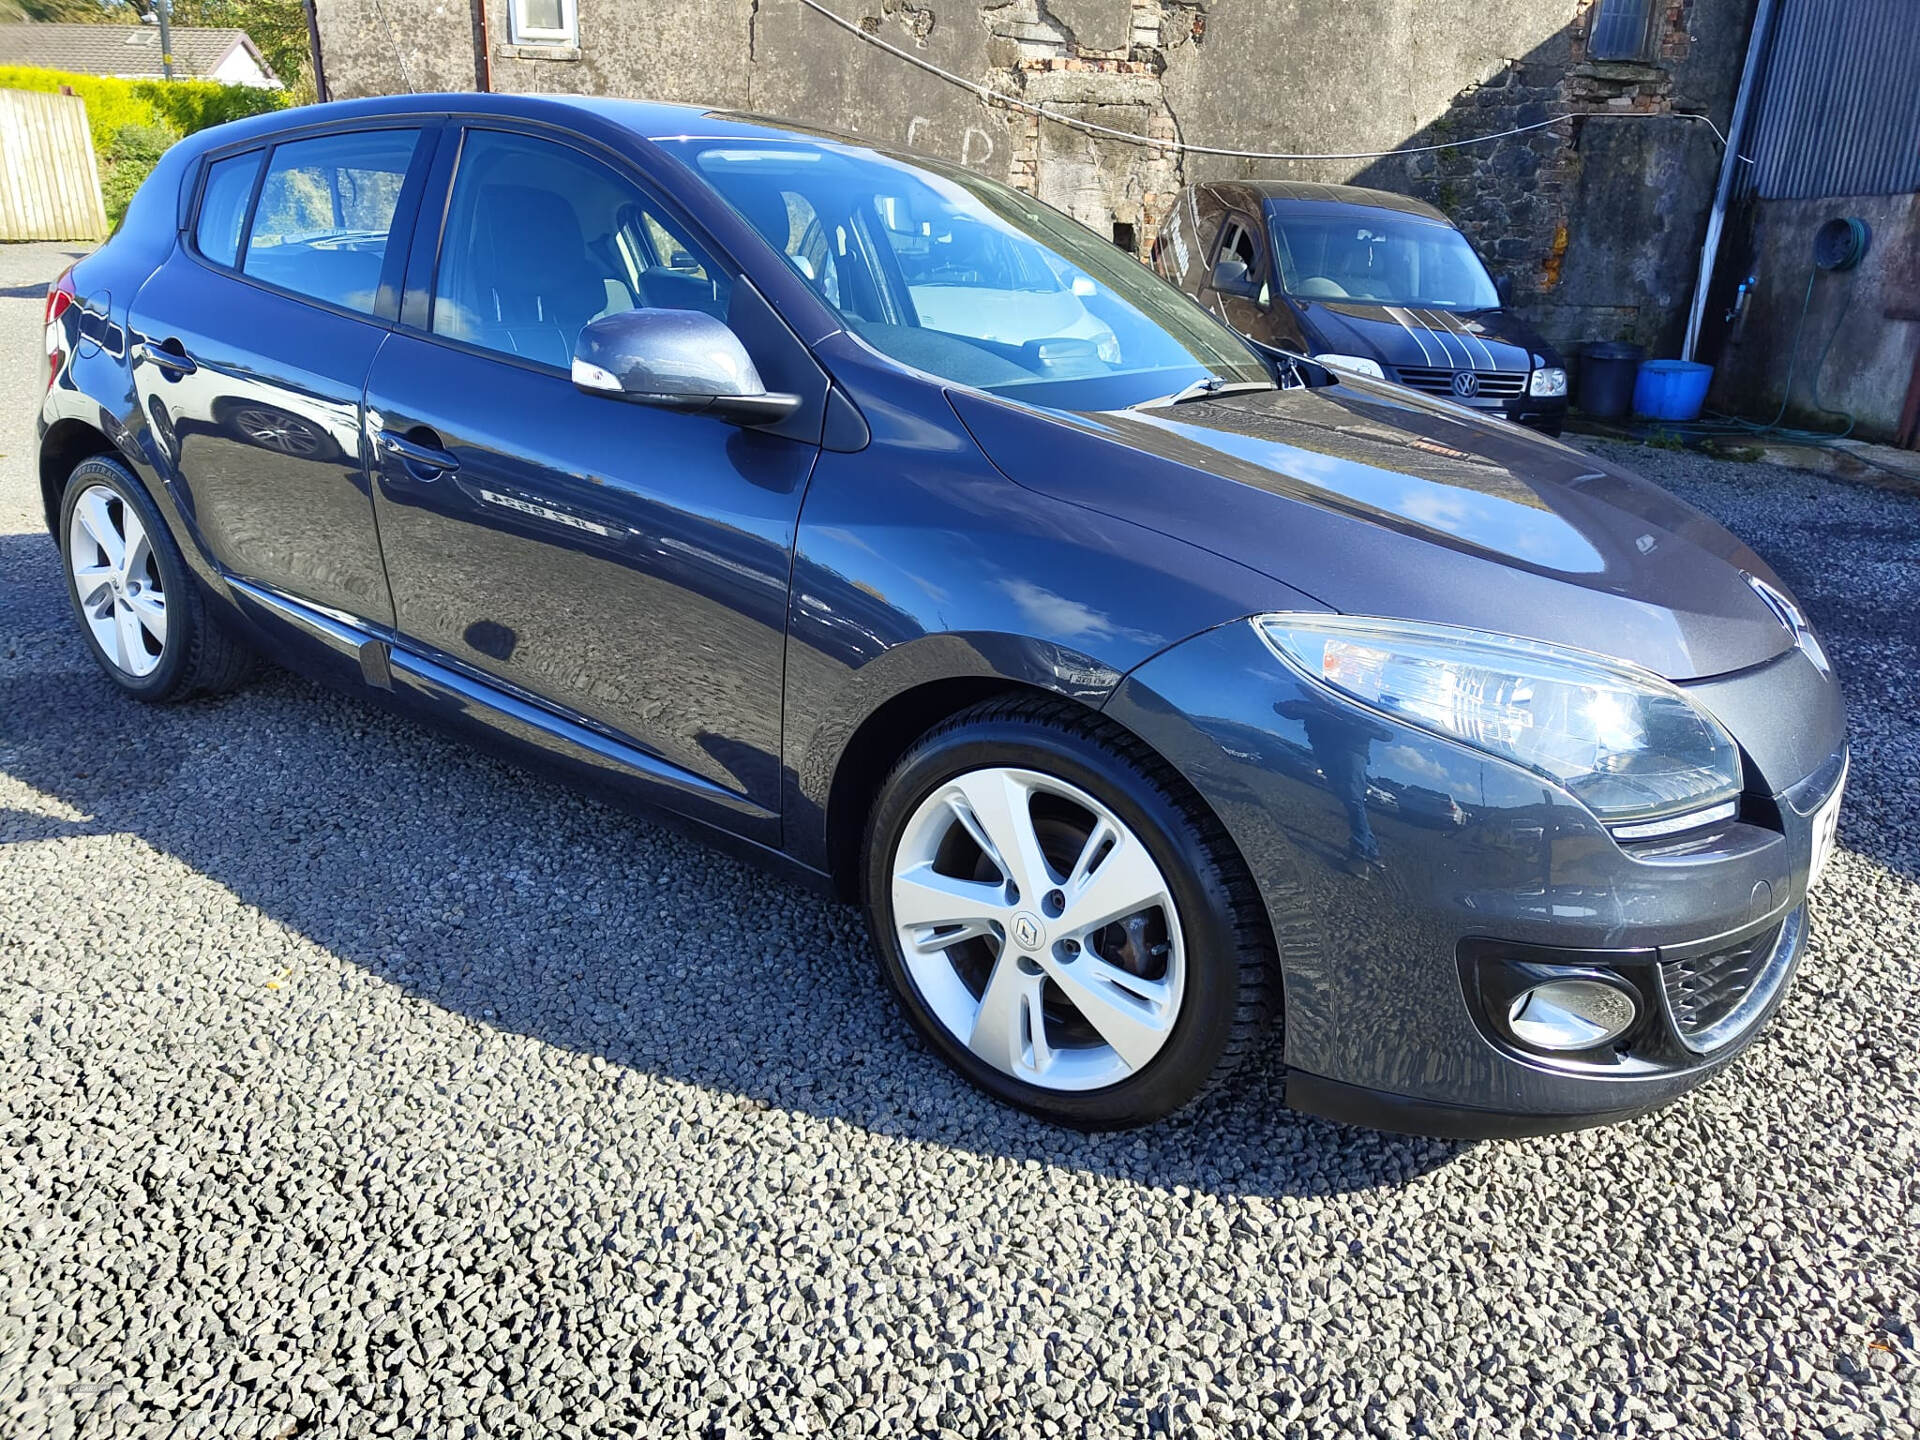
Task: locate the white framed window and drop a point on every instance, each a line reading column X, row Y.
column 545, row 22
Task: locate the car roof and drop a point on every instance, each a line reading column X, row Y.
column 1277, row 194
column 646, row 119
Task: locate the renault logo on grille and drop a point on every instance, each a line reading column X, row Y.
column 1465, row 384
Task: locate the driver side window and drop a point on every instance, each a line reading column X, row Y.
column 540, row 240
column 1237, row 243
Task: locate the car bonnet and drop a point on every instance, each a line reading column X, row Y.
column 1379, row 502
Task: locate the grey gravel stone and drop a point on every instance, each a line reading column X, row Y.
column 355, row 1083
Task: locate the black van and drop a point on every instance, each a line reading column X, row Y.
column 1372, row 281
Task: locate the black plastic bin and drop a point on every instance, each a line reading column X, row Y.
column 1608, row 369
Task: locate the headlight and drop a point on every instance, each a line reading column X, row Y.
column 1548, row 380
column 1359, row 364
column 1629, row 744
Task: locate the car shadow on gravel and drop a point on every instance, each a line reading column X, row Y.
column 495, row 894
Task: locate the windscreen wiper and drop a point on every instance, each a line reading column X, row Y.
column 1207, row 387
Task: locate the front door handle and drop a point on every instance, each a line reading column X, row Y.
column 169, row 356
column 424, row 458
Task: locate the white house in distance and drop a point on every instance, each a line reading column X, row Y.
column 132, row 52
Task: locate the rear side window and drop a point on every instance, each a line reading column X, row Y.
column 223, row 206
column 325, row 215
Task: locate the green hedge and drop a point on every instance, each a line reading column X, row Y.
column 133, row 121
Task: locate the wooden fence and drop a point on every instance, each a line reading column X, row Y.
column 49, row 185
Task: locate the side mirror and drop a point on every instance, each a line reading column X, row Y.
column 1230, row 277
column 678, row 360
column 1503, row 287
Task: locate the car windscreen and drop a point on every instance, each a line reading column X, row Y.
column 967, row 279
column 1377, row 258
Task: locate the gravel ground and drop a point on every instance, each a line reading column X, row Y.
column 355, row 1083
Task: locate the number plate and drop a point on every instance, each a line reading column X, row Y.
column 1826, row 829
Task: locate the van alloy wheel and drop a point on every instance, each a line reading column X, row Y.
column 1038, row 929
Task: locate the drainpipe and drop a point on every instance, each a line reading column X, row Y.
column 483, row 62
column 1736, row 130
column 313, row 48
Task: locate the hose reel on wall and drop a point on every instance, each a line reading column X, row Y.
column 1841, row 243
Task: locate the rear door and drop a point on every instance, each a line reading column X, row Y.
column 251, row 350
column 625, row 565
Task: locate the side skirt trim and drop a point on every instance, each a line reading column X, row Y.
column 545, row 730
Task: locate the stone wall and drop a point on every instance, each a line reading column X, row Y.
column 1596, row 220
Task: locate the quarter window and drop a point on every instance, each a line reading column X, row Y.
column 540, row 240
column 325, row 215
column 546, row 22
column 223, row 206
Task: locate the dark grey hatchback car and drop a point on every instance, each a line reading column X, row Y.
column 1158, row 700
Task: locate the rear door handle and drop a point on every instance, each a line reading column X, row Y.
column 170, row 356
column 424, row 461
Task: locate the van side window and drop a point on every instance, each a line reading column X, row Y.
column 1237, row 243
column 325, row 212
column 223, row 206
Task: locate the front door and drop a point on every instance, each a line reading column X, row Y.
column 252, row 343
column 625, row 565
column 1240, row 239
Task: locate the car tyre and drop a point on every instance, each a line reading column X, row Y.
column 1188, row 985
column 144, row 619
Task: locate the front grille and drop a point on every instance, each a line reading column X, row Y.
column 1494, row 384
column 1706, row 991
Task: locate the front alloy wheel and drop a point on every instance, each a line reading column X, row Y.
column 1038, row 929
column 1062, row 917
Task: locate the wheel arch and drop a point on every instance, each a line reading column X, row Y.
column 67, row 442
column 879, row 741
column 877, row 744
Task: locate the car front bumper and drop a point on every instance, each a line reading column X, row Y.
column 1536, row 412
column 1403, row 872
column 1549, row 415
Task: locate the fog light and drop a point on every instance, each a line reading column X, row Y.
column 1575, row 1014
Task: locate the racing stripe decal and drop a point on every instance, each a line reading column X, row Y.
column 1466, row 334
column 1439, row 331
column 1401, row 315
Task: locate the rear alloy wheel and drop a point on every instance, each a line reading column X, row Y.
column 116, row 581
column 144, row 620
column 1062, row 919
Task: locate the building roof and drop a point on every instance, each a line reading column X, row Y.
column 125, row 50
column 1306, row 192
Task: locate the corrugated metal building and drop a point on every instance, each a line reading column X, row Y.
column 1838, row 112
column 1833, row 133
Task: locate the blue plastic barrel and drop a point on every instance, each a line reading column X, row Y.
column 1671, row 389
